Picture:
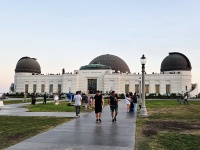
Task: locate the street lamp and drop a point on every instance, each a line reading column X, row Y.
column 140, row 101
column 143, row 110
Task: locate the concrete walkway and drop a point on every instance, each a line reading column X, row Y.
column 18, row 110
column 85, row 134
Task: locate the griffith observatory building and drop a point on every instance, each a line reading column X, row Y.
column 105, row 73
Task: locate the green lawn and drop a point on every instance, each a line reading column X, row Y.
column 7, row 102
column 62, row 107
column 14, row 129
column 169, row 126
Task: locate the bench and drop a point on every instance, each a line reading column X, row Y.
column 1, row 104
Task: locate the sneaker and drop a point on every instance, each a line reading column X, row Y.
column 99, row 120
column 115, row 119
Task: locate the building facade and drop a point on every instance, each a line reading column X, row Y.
column 106, row 73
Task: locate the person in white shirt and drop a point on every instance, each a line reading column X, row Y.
column 128, row 102
column 77, row 99
column 186, row 99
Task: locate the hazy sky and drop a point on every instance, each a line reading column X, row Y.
column 70, row 33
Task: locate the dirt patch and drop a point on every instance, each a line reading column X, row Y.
column 153, row 127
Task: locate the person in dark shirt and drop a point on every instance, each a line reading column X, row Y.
column 99, row 103
column 33, row 98
column 113, row 102
column 85, row 101
column 135, row 102
column 45, row 98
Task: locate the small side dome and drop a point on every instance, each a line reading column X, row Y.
column 112, row 61
column 27, row 64
column 176, row 62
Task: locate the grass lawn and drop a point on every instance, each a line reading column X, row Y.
column 62, row 107
column 15, row 129
column 169, row 127
column 7, row 102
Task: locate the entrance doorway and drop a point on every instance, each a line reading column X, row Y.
column 92, row 86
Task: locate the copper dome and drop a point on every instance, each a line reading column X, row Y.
column 176, row 61
column 113, row 61
column 27, row 64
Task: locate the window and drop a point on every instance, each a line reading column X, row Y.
column 185, row 88
column 168, row 88
column 146, row 88
column 59, row 88
column 42, row 88
column 126, row 88
column 137, row 88
column 157, row 88
column 26, row 88
column 34, row 88
column 51, row 88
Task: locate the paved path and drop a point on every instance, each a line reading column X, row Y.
column 18, row 110
column 85, row 134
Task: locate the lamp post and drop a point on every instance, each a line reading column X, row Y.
column 140, row 101
column 143, row 110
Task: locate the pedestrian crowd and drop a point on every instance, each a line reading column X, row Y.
column 96, row 102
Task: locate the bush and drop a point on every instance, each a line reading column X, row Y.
column 159, row 96
column 121, row 96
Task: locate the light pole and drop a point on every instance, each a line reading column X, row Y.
column 143, row 110
column 140, row 101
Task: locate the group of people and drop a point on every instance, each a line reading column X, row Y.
column 82, row 98
column 184, row 96
column 98, row 102
column 131, row 102
column 33, row 98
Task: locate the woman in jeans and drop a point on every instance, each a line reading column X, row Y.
column 135, row 102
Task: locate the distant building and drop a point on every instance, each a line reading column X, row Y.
column 105, row 73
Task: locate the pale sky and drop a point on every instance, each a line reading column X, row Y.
column 70, row 33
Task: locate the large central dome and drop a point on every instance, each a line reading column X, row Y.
column 113, row 61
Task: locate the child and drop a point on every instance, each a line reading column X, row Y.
column 91, row 102
column 56, row 99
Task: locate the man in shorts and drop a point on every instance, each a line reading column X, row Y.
column 113, row 102
column 99, row 103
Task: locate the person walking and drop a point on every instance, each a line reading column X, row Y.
column 45, row 98
column 127, row 102
column 90, row 102
column 135, row 102
column 25, row 95
column 77, row 99
column 113, row 102
column 131, row 102
column 33, row 99
column 69, row 96
column 99, row 104
column 186, row 98
column 179, row 98
column 85, row 101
